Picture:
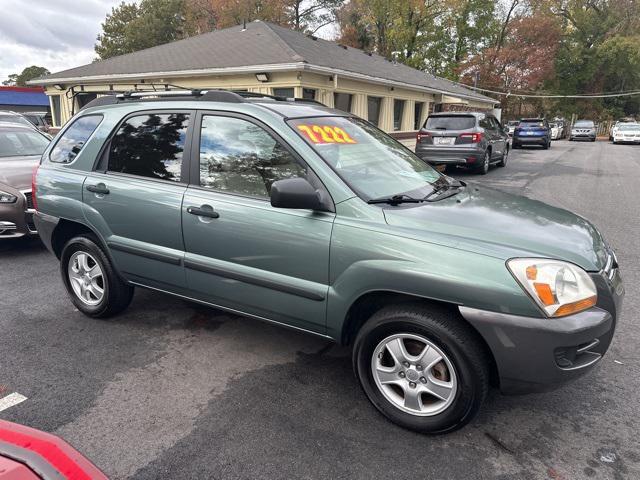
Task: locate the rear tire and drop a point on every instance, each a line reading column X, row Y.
column 483, row 168
column 91, row 281
column 455, row 365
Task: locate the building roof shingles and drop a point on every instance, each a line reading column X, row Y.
column 261, row 43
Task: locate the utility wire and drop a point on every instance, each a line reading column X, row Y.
column 523, row 95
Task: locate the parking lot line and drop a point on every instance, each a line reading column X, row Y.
column 11, row 400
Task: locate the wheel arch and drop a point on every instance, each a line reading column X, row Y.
column 369, row 303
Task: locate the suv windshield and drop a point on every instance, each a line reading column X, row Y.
column 367, row 159
column 15, row 143
column 450, row 122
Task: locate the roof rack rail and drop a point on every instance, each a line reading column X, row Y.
column 206, row 95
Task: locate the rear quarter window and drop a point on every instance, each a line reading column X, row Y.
column 71, row 142
column 450, row 122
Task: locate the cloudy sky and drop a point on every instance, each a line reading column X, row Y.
column 56, row 34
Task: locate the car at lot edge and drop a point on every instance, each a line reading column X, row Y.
column 471, row 140
column 511, row 126
column 583, row 130
column 20, row 150
column 309, row 217
column 556, row 131
column 615, row 127
column 532, row 131
column 627, row 133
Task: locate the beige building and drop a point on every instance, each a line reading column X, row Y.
column 269, row 59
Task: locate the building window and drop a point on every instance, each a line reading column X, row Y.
column 398, row 110
column 55, row 110
column 342, row 101
column 373, row 109
column 284, row 92
column 309, row 93
column 150, row 146
column 84, row 98
column 417, row 124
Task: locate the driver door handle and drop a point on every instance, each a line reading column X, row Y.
column 99, row 189
column 203, row 212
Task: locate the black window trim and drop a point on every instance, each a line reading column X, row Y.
column 194, row 178
column 101, row 164
column 58, row 137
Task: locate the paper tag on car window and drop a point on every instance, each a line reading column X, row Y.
column 319, row 134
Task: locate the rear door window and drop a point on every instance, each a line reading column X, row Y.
column 450, row 122
column 70, row 144
column 150, row 145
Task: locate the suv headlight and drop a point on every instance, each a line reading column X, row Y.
column 559, row 288
column 7, row 198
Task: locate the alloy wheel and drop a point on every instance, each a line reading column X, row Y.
column 86, row 278
column 414, row 374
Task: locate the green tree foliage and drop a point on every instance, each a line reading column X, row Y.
column 131, row 27
column 29, row 73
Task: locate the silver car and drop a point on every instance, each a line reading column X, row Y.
column 583, row 130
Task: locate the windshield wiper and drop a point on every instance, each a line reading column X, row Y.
column 439, row 192
column 397, row 199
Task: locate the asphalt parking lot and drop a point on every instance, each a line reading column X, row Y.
column 175, row 390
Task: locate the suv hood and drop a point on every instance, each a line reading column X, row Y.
column 16, row 171
column 503, row 225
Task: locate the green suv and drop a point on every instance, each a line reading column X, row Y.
column 311, row 218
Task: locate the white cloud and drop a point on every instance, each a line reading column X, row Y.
column 56, row 34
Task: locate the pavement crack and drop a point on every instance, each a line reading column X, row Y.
column 499, row 443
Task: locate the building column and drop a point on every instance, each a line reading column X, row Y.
column 425, row 112
column 386, row 114
column 359, row 105
column 325, row 97
column 408, row 116
column 297, row 91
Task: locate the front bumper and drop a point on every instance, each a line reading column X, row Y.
column 16, row 219
column 626, row 139
column 454, row 155
column 540, row 354
column 583, row 136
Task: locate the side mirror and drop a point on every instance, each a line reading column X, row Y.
column 296, row 193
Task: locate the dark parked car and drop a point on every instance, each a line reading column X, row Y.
column 310, row 217
column 470, row 140
column 583, row 130
column 39, row 119
column 532, row 131
column 20, row 151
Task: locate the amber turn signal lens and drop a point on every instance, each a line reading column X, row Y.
column 544, row 293
column 574, row 307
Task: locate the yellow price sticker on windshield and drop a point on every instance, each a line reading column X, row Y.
column 325, row 134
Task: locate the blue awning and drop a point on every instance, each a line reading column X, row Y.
column 36, row 99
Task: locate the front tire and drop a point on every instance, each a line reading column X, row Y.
column 91, row 281
column 422, row 368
